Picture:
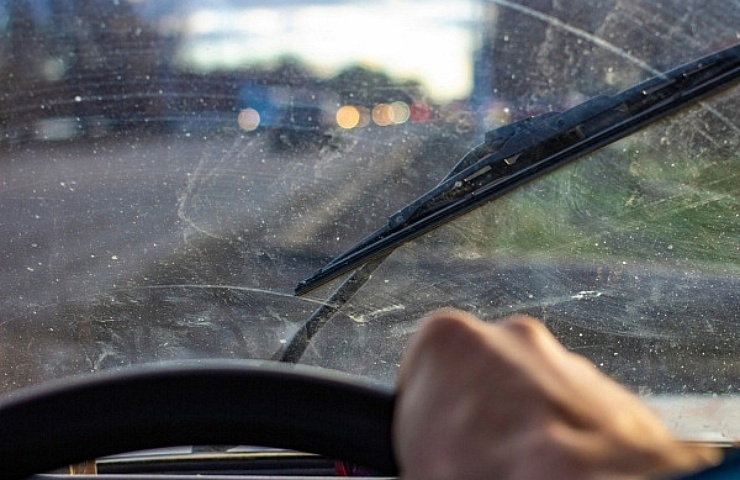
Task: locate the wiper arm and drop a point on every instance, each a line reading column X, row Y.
column 522, row 151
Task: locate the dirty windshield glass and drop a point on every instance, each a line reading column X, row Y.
column 169, row 172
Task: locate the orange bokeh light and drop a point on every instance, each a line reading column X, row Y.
column 383, row 114
column 348, row 117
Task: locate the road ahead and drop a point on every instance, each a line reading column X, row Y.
column 121, row 246
column 81, row 218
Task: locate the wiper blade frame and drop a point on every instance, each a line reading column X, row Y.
column 519, row 152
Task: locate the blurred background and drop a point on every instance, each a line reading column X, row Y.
column 79, row 68
column 227, row 64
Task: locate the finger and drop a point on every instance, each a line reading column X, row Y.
column 442, row 332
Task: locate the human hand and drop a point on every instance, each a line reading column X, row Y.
column 508, row 401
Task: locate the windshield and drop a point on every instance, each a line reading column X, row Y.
column 170, row 171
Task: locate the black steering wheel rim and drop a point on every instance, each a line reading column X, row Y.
column 206, row 403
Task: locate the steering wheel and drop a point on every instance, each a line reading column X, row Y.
column 206, row 403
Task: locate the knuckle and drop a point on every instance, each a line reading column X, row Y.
column 525, row 327
column 452, row 331
column 446, row 323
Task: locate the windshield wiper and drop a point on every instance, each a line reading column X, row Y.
column 522, row 151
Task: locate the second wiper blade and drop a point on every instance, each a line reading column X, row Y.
column 517, row 153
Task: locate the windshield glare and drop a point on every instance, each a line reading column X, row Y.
column 169, row 171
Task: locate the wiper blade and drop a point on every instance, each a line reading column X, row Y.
column 519, row 152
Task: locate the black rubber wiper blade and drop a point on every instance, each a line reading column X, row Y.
column 519, row 152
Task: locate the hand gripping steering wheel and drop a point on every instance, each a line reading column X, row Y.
column 207, row 403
